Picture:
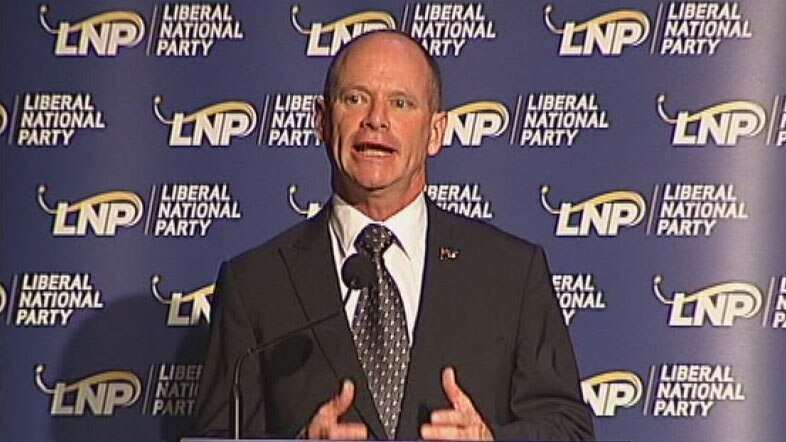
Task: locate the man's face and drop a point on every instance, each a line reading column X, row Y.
column 379, row 125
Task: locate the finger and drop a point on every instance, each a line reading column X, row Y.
column 337, row 431
column 348, row 431
column 453, row 391
column 474, row 432
column 344, row 400
column 331, row 410
column 326, row 425
column 440, row 432
column 452, row 417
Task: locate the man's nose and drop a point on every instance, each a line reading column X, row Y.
column 377, row 116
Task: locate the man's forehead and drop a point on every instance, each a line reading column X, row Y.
column 391, row 45
column 381, row 37
column 388, row 50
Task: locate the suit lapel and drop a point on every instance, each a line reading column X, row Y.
column 312, row 269
column 423, row 391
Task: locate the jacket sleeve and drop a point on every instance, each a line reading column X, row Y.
column 231, row 336
column 545, row 400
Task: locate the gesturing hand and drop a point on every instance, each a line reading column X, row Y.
column 325, row 424
column 461, row 422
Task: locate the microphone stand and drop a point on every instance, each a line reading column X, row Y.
column 357, row 273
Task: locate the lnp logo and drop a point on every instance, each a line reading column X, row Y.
column 777, row 315
column 606, row 213
column 175, row 390
column 198, row 298
column 690, row 390
column 192, row 29
column 609, row 33
column 471, row 122
column 606, row 392
column 105, row 33
column 341, row 31
column 311, row 209
column 218, row 123
column 445, row 28
column 3, row 119
column 463, row 199
column 103, row 213
column 698, row 28
column 100, row 393
column 720, row 304
column 725, row 123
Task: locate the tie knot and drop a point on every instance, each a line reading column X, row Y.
column 374, row 239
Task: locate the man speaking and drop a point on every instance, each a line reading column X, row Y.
column 453, row 334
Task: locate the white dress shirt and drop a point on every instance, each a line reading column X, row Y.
column 405, row 259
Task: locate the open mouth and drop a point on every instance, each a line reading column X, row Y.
column 374, row 149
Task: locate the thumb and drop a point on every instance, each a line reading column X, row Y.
column 453, row 391
column 345, row 397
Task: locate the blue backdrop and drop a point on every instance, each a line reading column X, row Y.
column 640, row 142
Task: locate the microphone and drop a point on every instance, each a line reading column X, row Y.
column 358, row 272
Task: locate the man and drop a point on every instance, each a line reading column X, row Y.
column 459, row 337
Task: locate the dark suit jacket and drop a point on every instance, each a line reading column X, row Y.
column 490, row 313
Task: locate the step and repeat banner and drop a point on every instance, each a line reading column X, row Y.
column 641, row 142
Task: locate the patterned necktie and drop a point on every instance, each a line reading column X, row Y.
column 380, row 330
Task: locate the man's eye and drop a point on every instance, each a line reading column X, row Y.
column 402, row 103
column 353, row 99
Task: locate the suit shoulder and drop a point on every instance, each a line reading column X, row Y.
column 486, row 235
column 270, row 248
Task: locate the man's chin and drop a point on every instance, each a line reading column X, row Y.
column 372, row 189
column 363, row 190
column 369, row 183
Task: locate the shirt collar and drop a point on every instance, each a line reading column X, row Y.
column 409, row 225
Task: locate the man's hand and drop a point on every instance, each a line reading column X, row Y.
column 325, row 424
column 462, row 422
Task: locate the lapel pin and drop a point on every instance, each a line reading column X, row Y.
column 446, row 253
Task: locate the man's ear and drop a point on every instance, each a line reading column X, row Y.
column 438, row 123
column 322, row 120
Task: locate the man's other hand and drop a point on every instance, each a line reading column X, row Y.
column 461, row 422
column 325, row 424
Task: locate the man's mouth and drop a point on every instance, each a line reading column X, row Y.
column 374, row 149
